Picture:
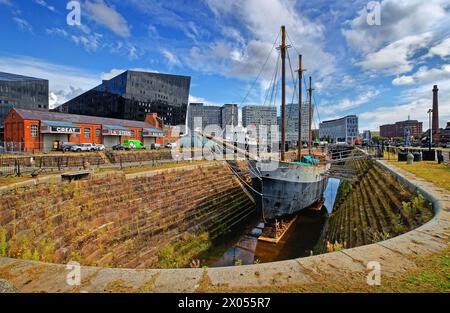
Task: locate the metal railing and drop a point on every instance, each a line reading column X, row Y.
column 16, row 166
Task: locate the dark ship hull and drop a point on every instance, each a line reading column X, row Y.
column 289, row 189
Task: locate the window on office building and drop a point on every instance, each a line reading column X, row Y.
column 132, row 134
column 87, row 133
column 98, row 132
column 34, row 131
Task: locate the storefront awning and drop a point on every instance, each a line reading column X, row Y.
column 115, row 130
column 59, row 127
column 152, row 132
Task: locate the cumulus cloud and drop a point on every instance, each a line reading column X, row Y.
column 397, row 57
column 399, row 19
column 413, row 102
column 194, row 99
column 442, row 49
column 424, row 75
column 347, row 103
column 246, row 41
column 91, row 41
column 64, row 81
column 243, row 58
column 171, row 58
column 102, row 14
column 403, row 80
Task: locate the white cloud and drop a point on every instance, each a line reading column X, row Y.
column 399, row 19
column 115, row 72
column 413, row 102
column 107, row 16
column 347, row 103
column 171, row 58
column 65, row 82
column 194, row 99
column 127, row 49
column 424, row 75
column 403, row 80
column 416, row 110
column 5, row 2
column 87, row 39
column 23, row 24
column 242, row 54
column 442, row 49
column 397, row 57
column 46, row 5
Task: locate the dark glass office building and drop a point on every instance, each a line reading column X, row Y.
column 132, row 94
column 17, row 91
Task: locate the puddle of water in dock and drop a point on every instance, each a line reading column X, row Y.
column 241, row 246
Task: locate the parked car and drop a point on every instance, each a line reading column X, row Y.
column 118, row 147
column 156, row 146
column 83, row 147
column 171, row 145
column 66, row 146
column 133, row 144
column 99, row 147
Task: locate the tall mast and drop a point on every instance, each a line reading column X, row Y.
column 283, row 92
column 300, row 75
column 310, row 90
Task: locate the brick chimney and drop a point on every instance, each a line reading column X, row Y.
column 435, row 124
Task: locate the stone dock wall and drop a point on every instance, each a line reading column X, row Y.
column 117, row 220
column 394, row 256
column 373, row 208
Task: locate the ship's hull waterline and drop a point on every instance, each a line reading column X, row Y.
column 289, row 189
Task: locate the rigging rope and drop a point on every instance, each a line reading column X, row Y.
column 314, row 100
column 294, row 79
column 261, row 71
column 272, row 82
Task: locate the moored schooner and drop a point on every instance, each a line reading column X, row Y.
column 294, row 184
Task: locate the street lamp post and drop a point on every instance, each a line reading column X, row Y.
column 431, row 129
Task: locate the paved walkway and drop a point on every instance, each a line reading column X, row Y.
column 394, row 256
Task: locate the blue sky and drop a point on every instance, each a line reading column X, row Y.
column 382, row 73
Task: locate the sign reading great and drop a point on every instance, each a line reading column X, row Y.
column 60, row 129
column 65, row 130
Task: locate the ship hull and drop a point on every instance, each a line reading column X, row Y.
column 289, row 189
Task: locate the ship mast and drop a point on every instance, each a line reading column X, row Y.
column 283, row 49
column 310, row 90
column 300, row 74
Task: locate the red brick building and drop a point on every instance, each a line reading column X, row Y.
column 31, row 131
column 397, row 129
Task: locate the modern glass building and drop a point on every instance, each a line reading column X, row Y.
column 133, row 94
column 212, row 115
column 17, row 91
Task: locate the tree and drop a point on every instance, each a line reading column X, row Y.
column 378, row 139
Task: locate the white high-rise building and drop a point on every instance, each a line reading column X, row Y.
column 343, row 129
